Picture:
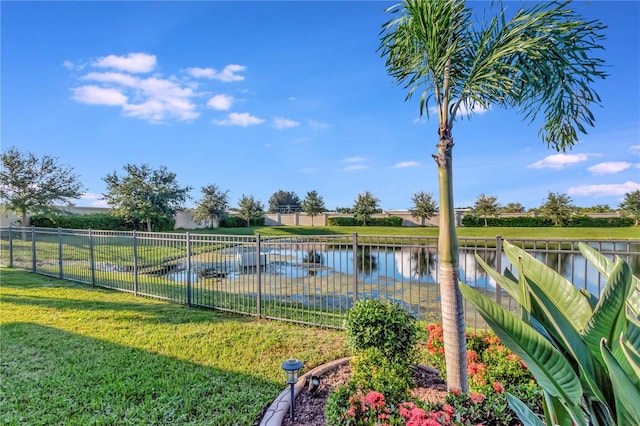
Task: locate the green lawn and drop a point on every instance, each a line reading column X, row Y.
column 79, row 355
column 628, row 233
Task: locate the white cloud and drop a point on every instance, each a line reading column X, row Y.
column 292, row 98
column 100, row 203
column 113, row 77
column 220, row 102
column 609, row 167
column 406, row 164
column 72, row 66
column 133, row 62
column 90, row 196
column 318, row 125
column 153, row 98
column 355, row 167
column 353, row 160
column 243, row 119
column 228, row 73
column 284, row 123
column 99, row 96
column 559, row 161
column 634, row 147
column 604, row 189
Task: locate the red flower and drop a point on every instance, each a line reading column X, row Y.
column 497, row 386
column 476, row 397
column 448, row 409
column 375, row 399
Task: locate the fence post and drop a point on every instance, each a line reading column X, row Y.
column 60, row 266
column 498, row 267
column 259, row 292
column 354, row 244
column 135, row 263
column 189, row 296
column 10, row 247
column 92, row 259
column 33, row 249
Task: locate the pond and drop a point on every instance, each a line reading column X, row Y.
column 384, row 265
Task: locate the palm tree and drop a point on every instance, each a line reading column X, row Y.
column 538, row 61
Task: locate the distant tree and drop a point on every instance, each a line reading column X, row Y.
column 145, row 195
column 250, row 208
column 513, row 208
column 557, row 207
column 213, row 206
column 31, row 184
column 364, row 206
column 598, row 208
column 424, row 206
column 284, row 202
column 631, row 205
column 344, row 210
column 486, row 205
column 313, row 205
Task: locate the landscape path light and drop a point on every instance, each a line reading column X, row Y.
column 292, row 367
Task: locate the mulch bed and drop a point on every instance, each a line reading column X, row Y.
column 309, row 409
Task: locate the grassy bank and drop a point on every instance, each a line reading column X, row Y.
column 82, row 355
column 628, row 233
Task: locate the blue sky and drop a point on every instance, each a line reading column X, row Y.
column 257, row 97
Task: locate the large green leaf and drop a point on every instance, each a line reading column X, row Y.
column 592, row 372
column 550, row 368
column 632, row 358
column 564, row 294
column 558, row 414
column 524, row 413
column 627, row 395
column 511, row 286
column 609, row 318
column 605, row 266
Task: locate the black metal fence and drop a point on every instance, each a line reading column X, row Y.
column 310, row 279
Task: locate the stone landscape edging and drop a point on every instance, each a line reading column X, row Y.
column 280, row 406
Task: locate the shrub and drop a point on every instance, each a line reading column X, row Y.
column 383, row 326
column 238, row 222
column 385, row 221
column 101, row 221
column 585, row 221
column 488, row 360
column 342, row 221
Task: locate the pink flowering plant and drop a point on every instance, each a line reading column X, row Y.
column 492, row 369
column 378, row 392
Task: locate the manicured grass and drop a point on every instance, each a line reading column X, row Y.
column 627, row 233
column 79, row 355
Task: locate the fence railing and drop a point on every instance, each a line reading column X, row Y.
column 310, row 279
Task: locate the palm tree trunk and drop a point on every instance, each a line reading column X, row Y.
column 450, row 297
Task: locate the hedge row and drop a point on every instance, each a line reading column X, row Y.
column 374, row 221
column 102, row 221
column 238, row 222
column 580, row 221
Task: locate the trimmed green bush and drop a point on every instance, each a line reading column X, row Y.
column 100, row 221
column 374, row 221
column 383, row 326
column 238, row 222
column 584, row 221
column 342, row 221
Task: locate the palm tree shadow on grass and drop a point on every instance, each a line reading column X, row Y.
column 50, row 374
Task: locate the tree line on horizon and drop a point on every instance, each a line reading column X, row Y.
column 31, row 184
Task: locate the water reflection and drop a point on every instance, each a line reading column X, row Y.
column 389, row 265
column 366, row 262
